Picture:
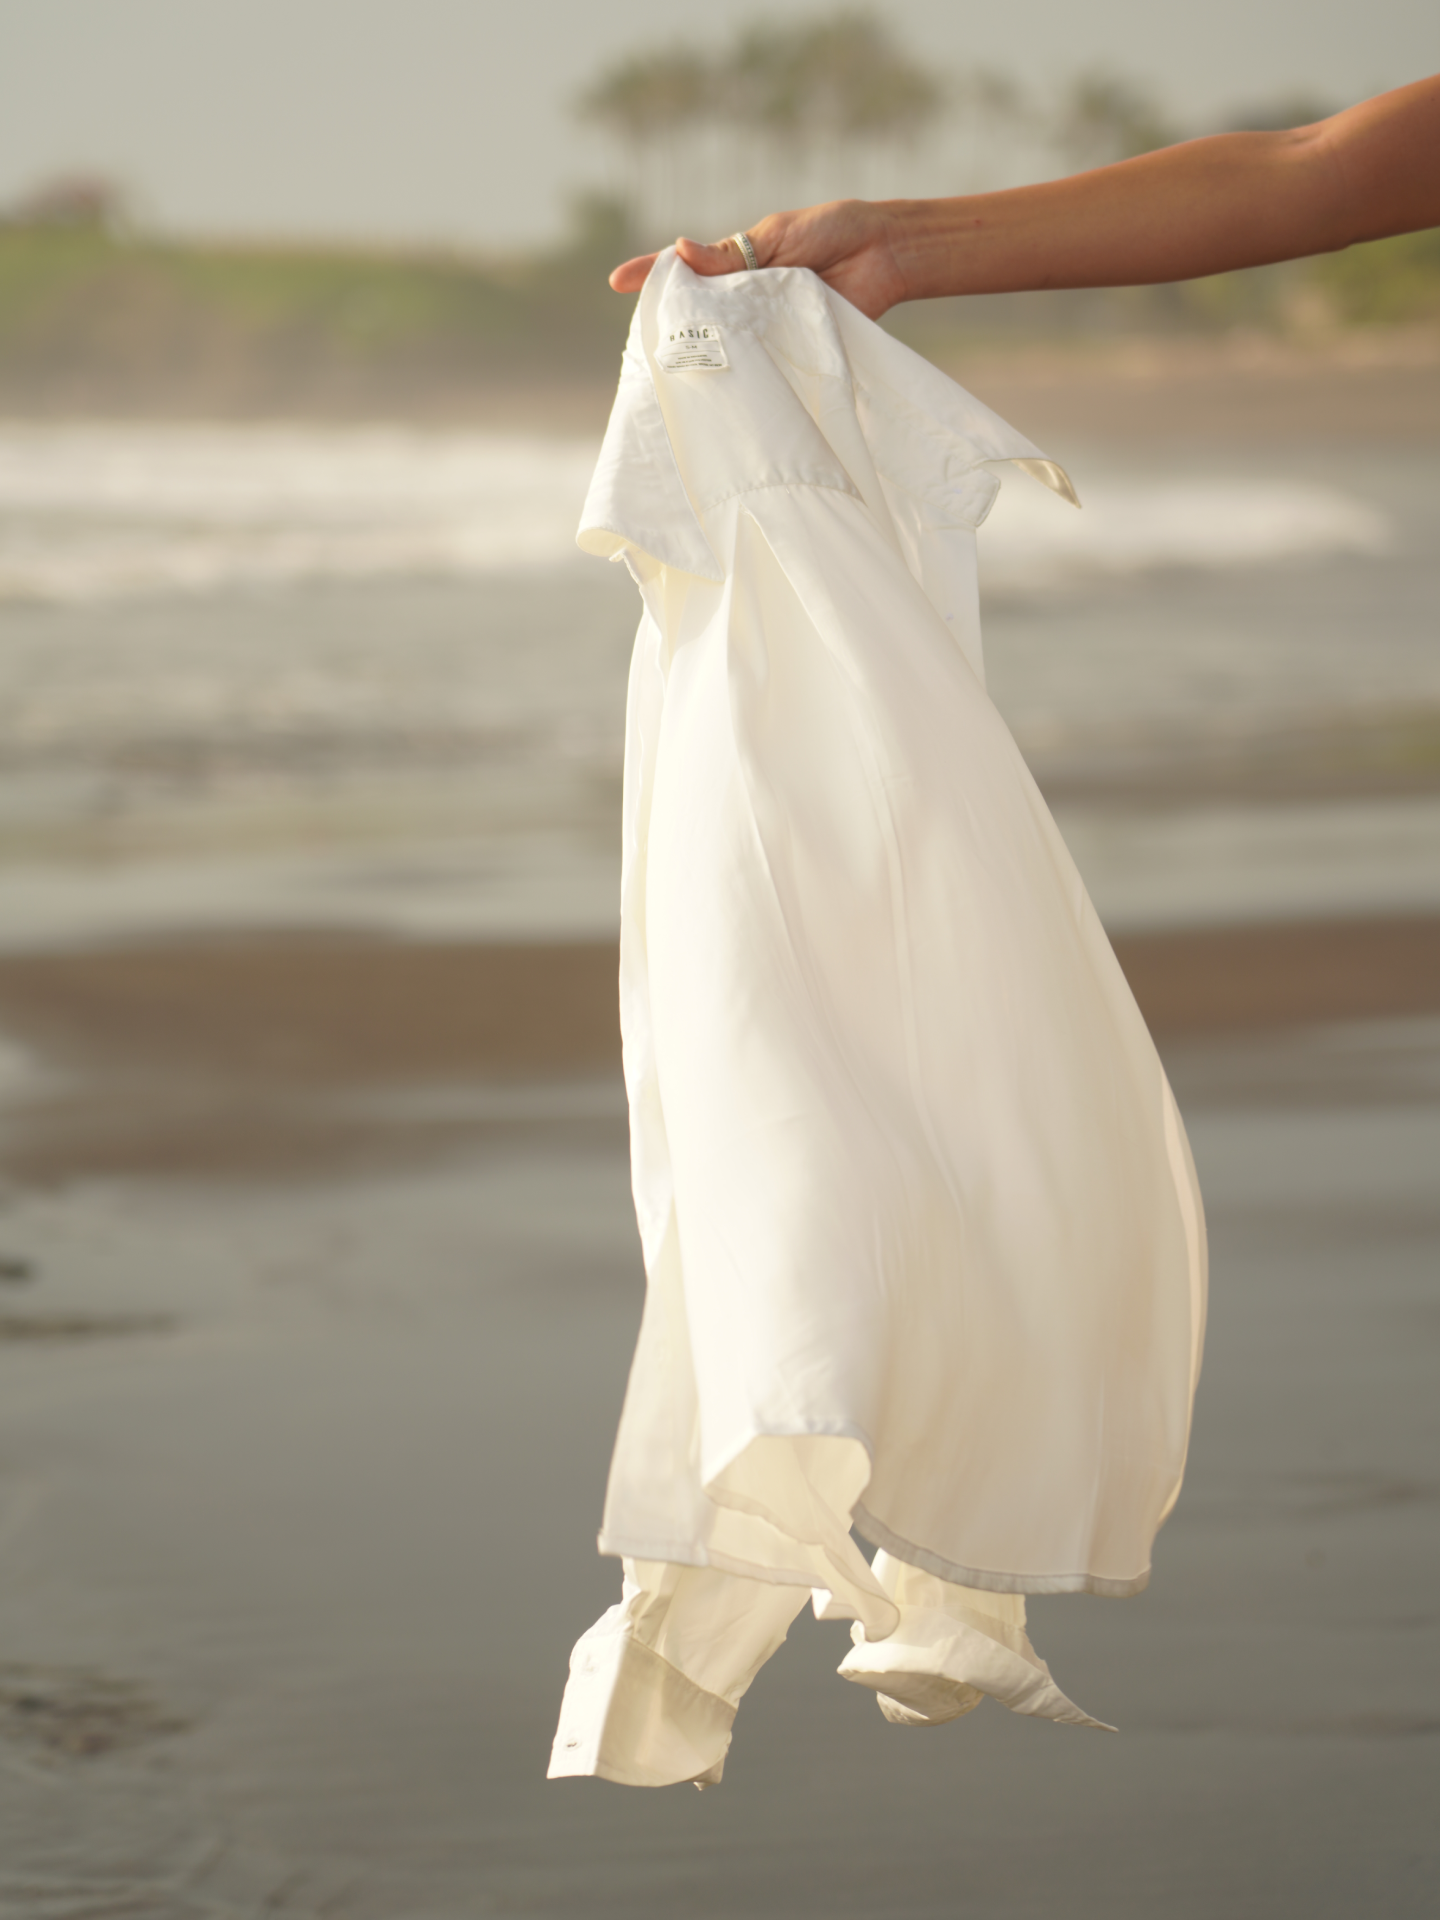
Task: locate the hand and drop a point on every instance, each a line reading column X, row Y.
column 851, row 244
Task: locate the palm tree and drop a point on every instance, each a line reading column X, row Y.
column 648, row 104
column 827, row 91
column 1106, row 117
column 992, row 105
column 797, row 106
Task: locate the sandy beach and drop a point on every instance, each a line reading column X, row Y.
column 333, row 771
column 319, row 1276
column 264, row 1053
column 1248, row 388
column 318, row 1279
column 1231, row 390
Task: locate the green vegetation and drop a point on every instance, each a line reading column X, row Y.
column 87, row 317
column 1388, row 281
column 841, row 78
column 792, row 111
column 1105, row 117
column 95, row 315
column 88, row 320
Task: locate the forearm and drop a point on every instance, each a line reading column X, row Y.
column 1207, row 206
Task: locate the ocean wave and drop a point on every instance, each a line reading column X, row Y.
column 101, row 512
column 1133, row 526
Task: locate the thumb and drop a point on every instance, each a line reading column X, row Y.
column 723, row 257
column 630, row 276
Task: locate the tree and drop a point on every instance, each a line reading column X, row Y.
column 1278, row 116
column 1106, row 117
column 644, row 99
column 993, row 108
column 828, row 80
column 782, row 109
column 73, row 200
column 650, row 105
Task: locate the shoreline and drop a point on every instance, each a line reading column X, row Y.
column 289, row 1054
column 1244, row 387
column 359, row 1008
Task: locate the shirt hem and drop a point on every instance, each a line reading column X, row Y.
column 985, row 1579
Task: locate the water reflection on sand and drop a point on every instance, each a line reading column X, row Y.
column 292, row 1571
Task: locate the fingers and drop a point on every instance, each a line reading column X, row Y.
column 631, row 276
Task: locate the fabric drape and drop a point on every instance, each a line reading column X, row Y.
column 924, row 1247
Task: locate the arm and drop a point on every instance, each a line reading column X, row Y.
column 1206, row 206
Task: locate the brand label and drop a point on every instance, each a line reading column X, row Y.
column 694, row 349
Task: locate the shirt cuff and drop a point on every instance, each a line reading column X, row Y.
column 629, row 1716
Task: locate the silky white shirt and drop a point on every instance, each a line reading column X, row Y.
column 924, row 1245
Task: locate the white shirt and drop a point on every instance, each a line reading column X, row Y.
column 924, row 1246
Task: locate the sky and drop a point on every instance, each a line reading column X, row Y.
column 451, row 122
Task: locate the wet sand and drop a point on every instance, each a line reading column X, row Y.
column 238, row 1054
column 304, row 1439
column 275, row 1056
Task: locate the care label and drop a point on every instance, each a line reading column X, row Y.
column 694, row 349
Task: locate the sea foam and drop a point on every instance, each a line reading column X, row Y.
column 99, row 512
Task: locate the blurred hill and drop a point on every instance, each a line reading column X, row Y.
column 99, row 319
column 96, row 318
column 99, row 316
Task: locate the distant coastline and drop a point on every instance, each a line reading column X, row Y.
column 95, row 323
column 104, row 324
